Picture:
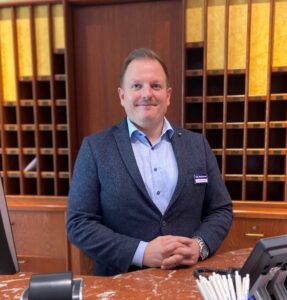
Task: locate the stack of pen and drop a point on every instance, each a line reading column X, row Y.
column 222, row 287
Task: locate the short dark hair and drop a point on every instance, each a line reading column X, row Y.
column 142, row 53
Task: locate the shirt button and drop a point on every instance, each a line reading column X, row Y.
column 155, row 169
column 158, row 192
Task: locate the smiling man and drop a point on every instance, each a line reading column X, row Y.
column 145, row 193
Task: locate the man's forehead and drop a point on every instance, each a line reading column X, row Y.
column 137, row 66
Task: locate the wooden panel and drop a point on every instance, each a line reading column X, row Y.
column 42, row 40
column 216, row 34
column 34, row 233
column 259, row 47
column 103, row 36
column 24, row 41
column 237, row 34
column 280, row 34
column 194, row 21
column 8, row 72
column 38, row 225
column 58, row 27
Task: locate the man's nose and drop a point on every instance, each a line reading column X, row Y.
column 147, row 92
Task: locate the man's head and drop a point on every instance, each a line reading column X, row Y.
column 144, row 91
column 142, row 53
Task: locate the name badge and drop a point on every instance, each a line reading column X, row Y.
column 198, row 179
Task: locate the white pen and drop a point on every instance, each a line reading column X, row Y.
column 243, row 288
column 202, row 290
column 219, row 281
column 246, row 288
column 238, row 285
column 210, row 289
column 225, row 285
column 231, row 287
column 203, row 282
column 216, row 287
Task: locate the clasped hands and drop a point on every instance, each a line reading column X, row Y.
column 168, row 252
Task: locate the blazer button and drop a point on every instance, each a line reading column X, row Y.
column 163, row 223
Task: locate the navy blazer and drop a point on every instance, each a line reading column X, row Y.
column 110, row 211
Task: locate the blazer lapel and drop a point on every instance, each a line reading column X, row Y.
column 125, row 148
column 181, row 158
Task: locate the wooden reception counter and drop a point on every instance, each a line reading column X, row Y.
column 144, row 284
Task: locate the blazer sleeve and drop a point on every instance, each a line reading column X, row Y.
column 84, row 218
column 217, row 208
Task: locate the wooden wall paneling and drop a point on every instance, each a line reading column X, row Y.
column 216, row 34
column 72, row 137
column 246, row 93
column 35, row 136
column 17, row 157
column 225, row 87
column 26, row 104
column 285, row 181
column 238, row 13
column 204, row 78
column 194, row 21
column 268, row 96
column 2, row 161
column 8, row 63
column 58, row 27
column 102, row 38
column 53, row 102
column 259, row 47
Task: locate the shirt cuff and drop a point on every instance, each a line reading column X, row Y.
column 139, row 254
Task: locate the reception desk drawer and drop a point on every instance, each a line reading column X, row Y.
column 38, row 264
column 40, row 238
column 245, row 232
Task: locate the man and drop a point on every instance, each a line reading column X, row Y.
column 145, row 193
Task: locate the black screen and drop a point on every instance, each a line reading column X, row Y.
column 268, row 253
column 8, row 258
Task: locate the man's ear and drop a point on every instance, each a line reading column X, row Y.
column 121, row 93
column 169, row 92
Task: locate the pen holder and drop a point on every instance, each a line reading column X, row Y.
column 222, row 287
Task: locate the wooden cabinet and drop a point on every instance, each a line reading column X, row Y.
column 40, row 234
column 253, row 221
column 34, row 156
column 236, row 96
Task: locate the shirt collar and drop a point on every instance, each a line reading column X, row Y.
column 166, row 130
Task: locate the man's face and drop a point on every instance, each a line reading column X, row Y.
column 144, row 93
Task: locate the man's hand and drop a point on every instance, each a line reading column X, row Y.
column 168, row 252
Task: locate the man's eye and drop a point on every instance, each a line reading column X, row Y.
column 156, row 87
column 136, row 86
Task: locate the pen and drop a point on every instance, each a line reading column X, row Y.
column 202, row 290
column 238, row 285
column 246, row 287
column 231, row 287
column 203, row 282
column 210, row 289
column 219, row 281
column 216, row 286
column 225, row 285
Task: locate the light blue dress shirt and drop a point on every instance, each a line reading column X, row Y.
column 158, row 168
